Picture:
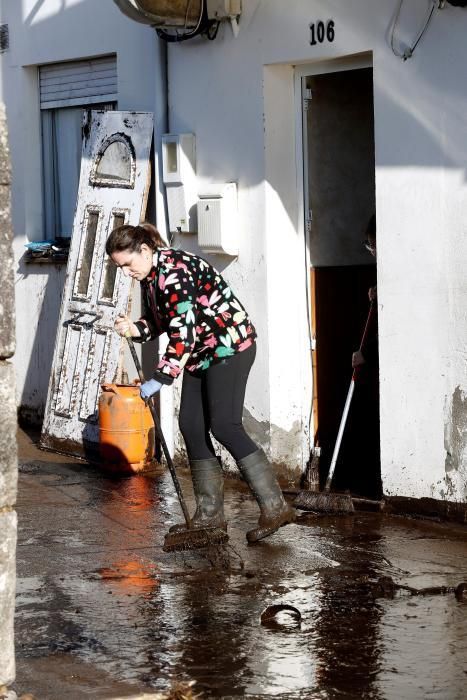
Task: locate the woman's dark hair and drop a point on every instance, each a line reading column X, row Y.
column 131, row 238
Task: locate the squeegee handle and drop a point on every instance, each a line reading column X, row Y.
column 160, row 434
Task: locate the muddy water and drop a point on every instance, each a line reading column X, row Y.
column 96, row 593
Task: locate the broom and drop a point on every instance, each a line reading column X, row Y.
column 191, row 538
column 325, row 501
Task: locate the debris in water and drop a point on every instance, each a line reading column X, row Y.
column 461, row 591
column 180, row 691
column 273, row 618
column 186, row 540
column 385, row 587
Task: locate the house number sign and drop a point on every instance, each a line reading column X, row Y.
column 322, row 31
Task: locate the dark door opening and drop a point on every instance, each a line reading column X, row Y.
column 340, row 183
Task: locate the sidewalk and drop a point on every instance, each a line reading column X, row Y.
column 102, row 612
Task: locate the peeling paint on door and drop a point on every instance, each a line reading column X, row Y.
column 114, row 181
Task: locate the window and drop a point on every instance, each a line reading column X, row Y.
column 66, row 89
column 116, row 163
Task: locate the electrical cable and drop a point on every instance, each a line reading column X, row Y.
column 186, row 13
column 408, row 53
column 200, row 26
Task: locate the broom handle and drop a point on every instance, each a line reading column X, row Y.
column 160, row 434
column 337, row 446
column 348, row 401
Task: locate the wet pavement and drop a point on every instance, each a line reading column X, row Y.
column 103, row 612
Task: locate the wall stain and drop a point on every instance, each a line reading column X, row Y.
column 258, row 430
column 455, row 440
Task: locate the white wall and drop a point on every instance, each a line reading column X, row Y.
column 44, row 32
column 236, row 94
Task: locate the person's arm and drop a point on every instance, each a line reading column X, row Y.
column 141, row 330
column 177, row 302
column 369, row 354
column 145, row 326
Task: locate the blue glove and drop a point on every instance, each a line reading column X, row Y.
column 149, row 388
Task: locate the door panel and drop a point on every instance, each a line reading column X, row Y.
column 114, row 182
column 99, row 347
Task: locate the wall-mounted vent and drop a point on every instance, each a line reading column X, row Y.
column 4, row 38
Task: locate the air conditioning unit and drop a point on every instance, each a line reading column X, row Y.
column 180, row 14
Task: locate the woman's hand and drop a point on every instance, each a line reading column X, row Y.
column 125, row 327
column 358, row 359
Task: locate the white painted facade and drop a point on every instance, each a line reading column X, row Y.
column 239, row 96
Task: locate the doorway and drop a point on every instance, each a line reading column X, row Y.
column 339, row 199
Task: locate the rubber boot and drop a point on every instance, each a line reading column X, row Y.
column 260, row 477
column 208, row 486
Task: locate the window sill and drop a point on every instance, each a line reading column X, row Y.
column 54, row 252
column 45, row 259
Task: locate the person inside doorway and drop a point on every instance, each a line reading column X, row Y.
column 212, row 341
column 369, row 354
column 364, row 416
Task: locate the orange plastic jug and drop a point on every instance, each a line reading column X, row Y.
column 126, row 429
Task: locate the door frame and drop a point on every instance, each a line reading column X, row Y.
column 301, row 72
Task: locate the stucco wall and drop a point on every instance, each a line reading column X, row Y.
column 42, row 33
column 219, row 90
column 238, row 96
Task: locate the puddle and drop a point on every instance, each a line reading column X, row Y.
column 96, row 589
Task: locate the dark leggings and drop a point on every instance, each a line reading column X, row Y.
column 212, row 401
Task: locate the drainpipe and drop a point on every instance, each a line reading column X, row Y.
column 162, row 122
column 159, row 203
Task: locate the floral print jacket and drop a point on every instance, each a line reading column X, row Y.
column 185, row 297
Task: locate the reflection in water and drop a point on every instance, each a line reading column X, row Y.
column 104, row 591
column 130, row 577
column 346, row 638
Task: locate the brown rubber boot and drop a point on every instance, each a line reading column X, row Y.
column 260, row 477
column 208, row 486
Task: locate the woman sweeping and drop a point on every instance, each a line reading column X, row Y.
column 213, row 341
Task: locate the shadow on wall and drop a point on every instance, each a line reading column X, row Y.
column 424, row 127
column 432, row 127
column 47, row 306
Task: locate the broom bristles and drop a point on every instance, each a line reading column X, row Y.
column 185, row 540
column 324, row 502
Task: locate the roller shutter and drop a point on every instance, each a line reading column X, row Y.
column 74, row 83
